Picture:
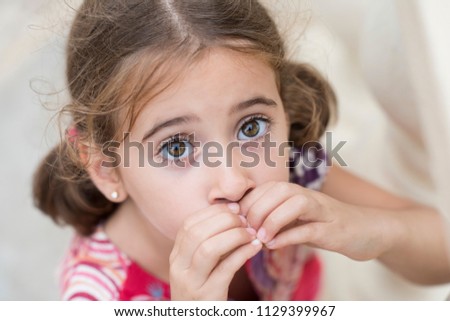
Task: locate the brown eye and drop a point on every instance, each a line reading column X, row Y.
column 251, row 129
column 176, row 149
column 254, row 128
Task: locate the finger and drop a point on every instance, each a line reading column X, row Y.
column 209, row 254
column 226, row 269
column 200, row 232
column 268, row 202
column 289, row 214
column 199, row 217
column 253, row 196
column 308, row 234
column 210, row 211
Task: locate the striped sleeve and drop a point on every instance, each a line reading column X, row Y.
column 93, row 270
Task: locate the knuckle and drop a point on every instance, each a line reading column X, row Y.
column 185, row 228
column 205, row 250
column 282, row 187
column 302, row 201
column 253, row 212
column 194, row 234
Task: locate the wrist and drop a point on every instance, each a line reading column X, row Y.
column 394, row 234
column 380, row 233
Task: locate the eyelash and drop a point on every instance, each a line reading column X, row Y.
column 180, row 137
column 268, row 120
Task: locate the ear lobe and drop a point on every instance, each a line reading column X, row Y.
column 106, row 179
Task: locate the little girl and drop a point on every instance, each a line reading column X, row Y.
column 176, row 175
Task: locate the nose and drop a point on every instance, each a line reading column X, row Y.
column 229, row 183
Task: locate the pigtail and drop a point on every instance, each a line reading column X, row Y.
column 309, row 101
column 63, row 191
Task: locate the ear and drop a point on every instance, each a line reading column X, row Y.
column 106, row 179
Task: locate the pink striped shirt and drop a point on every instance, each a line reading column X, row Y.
column 95, row 269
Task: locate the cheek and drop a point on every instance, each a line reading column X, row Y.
column 278, row 169
column 165, row 211
column 163, row 200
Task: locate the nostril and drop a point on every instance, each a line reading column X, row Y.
column 231, row 195
column 247, row 192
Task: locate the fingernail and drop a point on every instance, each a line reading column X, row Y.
column 251, row 230
column 234, row 207
column 261, row 234
column 271, row 243
column 256, row 242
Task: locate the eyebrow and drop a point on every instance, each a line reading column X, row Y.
column 260, row 100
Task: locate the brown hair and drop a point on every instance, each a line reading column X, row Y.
column 117, row 54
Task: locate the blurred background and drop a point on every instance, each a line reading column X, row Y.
column 385, row 60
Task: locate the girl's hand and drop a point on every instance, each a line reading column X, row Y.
column 286, row 214
column 209, row 249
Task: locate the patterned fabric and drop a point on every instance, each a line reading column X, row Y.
column 95, row 269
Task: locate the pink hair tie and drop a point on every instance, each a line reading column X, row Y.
column 72, row 133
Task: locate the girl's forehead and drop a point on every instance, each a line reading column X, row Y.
column 218, row 73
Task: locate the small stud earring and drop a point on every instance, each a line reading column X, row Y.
column 114, row 195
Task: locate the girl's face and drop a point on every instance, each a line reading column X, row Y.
column 209, row 138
